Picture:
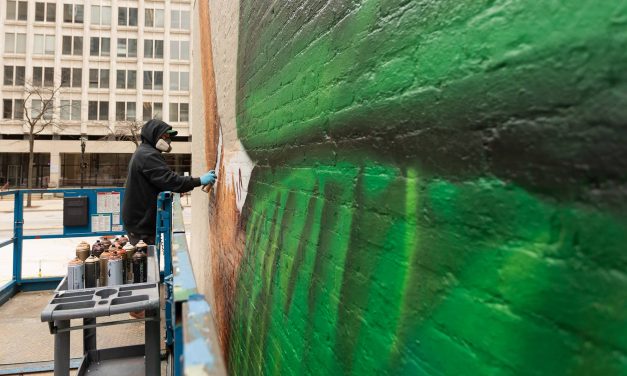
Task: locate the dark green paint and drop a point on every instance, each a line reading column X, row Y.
column 439, row 189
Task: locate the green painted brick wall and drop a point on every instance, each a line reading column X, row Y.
column 439, row 188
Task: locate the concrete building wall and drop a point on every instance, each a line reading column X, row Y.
column 88, row 28
column 431, row 187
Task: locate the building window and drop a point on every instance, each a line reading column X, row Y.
column 153, row 49
column 153, row 80
column 13, row 109
column 14, row 75
column 127, row 16
column 15, row 43
column 99, row 78
column 70, row 110
column 37, row 108
column 152, row 110
column 98, row 110
column 179, row 112
column 43, row 76
column 99, row 46
column 72, row 13
column 100, row 15
column 126, row 79
column 17, row 10
column 179, row 81
column 180, row 19
column 125, row 111
column 45, row 12
column 71, row 77
column 43, row 44
column 127, row 47
column 72, row 45
column 154, row 18
column 179, row 50
column 105, row 170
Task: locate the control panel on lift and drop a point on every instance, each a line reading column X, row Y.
column 92, row 211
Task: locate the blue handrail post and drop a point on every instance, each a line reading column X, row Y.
column 164, row 244
column 18, row 234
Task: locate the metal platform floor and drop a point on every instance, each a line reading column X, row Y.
column 25, row 339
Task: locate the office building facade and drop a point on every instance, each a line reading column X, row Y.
column 113, row 64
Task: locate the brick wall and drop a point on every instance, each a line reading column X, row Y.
column 422, row 187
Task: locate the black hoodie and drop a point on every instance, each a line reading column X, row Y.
column 149, row 174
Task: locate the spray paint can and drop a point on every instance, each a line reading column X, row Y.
column 97, row 248
column 126, row 263
column 103, row 261
column 75, row 274
column 142, row 247
column 207, row 188
column 82, row 250
column 130, row 252
column 106, row 243
column 140, row 267
column 92, row 272
column 115, row 273
column 123, row 240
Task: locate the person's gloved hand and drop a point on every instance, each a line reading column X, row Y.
column 208, row 178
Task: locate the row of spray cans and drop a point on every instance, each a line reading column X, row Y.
column 107, row 263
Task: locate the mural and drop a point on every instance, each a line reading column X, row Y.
column 423, row 187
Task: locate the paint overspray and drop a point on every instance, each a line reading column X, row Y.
column 216, row 168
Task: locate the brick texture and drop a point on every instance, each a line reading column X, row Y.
column 433, row 187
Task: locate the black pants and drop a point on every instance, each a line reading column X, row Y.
column 134, row 238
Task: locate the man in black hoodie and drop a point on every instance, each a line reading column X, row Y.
column 149, row 174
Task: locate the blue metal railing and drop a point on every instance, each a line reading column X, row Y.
column 17, row 282
column 191, row 334
column 190, row 329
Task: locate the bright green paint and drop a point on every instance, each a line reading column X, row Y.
column 523, row 294
column 490, row 243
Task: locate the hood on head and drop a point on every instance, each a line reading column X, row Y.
column 153, row 130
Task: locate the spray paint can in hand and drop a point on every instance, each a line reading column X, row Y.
column 140, row 267
column 104, row 260
column 115, row 274
column 75, row 274
column 92, row 272
column 130, row 252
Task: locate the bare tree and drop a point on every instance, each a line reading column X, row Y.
column 39, row 114
column 131, row 129
column 126, row 130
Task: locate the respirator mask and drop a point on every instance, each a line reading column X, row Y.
column 163, row 145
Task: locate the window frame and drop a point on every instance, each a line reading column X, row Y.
column 101, row 106
column 17, row 47
column 49, row 11
column 73, row 105
column 74, row 14
column 127, row 46
column 19, row 6
column 74, row 72
column 128, row 12
column 178, row 107
column 73, row 45
column 100, row 48
column 100, row 21
column 125, row 111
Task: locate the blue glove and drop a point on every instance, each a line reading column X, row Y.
column 208, row 178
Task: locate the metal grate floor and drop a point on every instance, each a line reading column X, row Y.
column 25, row 339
